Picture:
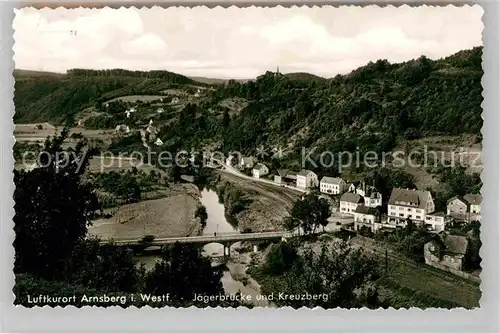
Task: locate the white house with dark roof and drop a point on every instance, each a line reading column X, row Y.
column 474, row 201
column 332, row 185
column 365, row 216
column 306, row 179
column 467, row 207
column 436, row 221
column 259, row 170
column 409, row 203
column 247, row 162
column 349, row 202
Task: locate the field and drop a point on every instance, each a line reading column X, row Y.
column 411, row 284
column 173, row 216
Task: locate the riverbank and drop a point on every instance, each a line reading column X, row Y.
column 254, row 206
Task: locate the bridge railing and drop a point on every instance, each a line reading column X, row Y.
column 204, row 238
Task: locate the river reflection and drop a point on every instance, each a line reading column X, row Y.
column 216, row 222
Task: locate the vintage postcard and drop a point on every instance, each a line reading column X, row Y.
column 257, row 157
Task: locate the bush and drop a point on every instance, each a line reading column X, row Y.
column 280, row 259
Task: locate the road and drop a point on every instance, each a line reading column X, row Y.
column 231, row 170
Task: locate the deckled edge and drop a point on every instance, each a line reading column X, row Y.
column 9, row 132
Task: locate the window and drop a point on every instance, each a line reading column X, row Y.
column 393, row 213
column 401, row 214
column 409, row 216
column 418, row 217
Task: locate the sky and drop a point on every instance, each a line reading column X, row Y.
column 240, row 42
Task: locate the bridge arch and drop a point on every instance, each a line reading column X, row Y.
column 215, row 248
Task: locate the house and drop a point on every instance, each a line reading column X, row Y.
column 122, row 129
column 446, row 250
column 306, row 179
column 370, row 194
column 409, row 204
column 467, row 207
column 349, row 202
column 160, row 110
column 259, row 170
column 474, row 201
column 158, row 142
column 229, row 160
column 129, row 111
column 175, row 100
column 332, row 185
column 247, row 162
column 458, row 207
column 365, row 216
column 285, row 176
column 436, row 221
column 280, row 178
column 352, row 186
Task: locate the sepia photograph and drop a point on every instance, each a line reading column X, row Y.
column 248, row 157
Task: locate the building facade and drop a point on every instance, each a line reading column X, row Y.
column 409, row 204
column 259, row 170
column 349, row 202
column 306, row 179
column 332, row 185
column 367, row 217
column 446, row 250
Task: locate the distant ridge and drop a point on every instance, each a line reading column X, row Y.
column 305, row 77
column 20, row 73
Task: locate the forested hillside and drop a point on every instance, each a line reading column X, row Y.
column 58, row 98
column 373, row 108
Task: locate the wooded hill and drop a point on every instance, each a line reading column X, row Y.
column 57, row 98
column 372, row 108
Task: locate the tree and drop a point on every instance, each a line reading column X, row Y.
column 52, row 209
column 225, row 119
column 311, row 211
column 103, row 267
column 280, row 258
column 182, row 273
column 335, row 271
column 201, row 212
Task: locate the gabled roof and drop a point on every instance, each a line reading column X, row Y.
column 331, row 180
column 473, row 199
column 460, row 198
column 259, row 166
column 366, row 210
column 282, row 172
column 417, row 198
column 454, row 243
column 351, row 198
column 248, row 160
column 305, row 172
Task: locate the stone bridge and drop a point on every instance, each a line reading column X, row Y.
column 225, row 239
